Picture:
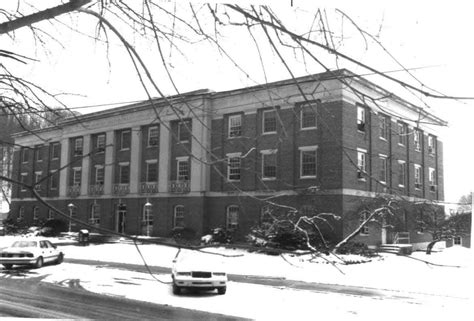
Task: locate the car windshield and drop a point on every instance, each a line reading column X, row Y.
column 24, row 244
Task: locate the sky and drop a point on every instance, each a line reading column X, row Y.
column 435, row 39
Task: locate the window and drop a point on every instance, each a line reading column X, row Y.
column 269, row 122
column 152, row 171
column 182, row 169
column 99, row 174
column 35, row 213
column 178, row 216
column 38, row 154
column 76, row 176
column 100, row 143
column 50, row 214
column 94, row 217
column 153, row 133
column 402, row 133
column 124, row 173
column 269, row 164
column 55, row 151
column 384, row 124
column 24, row 155
column 417, row 139
column 365, row 229
column 235, row 126
column 361, row 163
column 54, row 181
column 418, row 176
column 147, row 218
column 432, row 179
column 361, row 120
column 78, row 146
column 184, row 131
column 233, row 167
column 457, row 240
column 308, row 161
column 37, row 179
column 431, row 144
column 232, row 217
column 125, row 139
column 21, row 213
column 23, row 181
column 402, row 173
column 308, row 117
column 383, row 169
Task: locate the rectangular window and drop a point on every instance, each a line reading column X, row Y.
column 383, row 169
column 233, row 167
column 184, row 131
column 37, row 179
column 100, row 143
column 365, row 229
column 152, row 171
column 384, row 124
column 269, row 121
column 269, row 164
column 361, row 118
column 55, row 151
column 402, row 173
column 418, row 176
column 50, row 214
column 95, row 214
column 23, row 180
column 125, row 139
column 38, row 153
column 431, row 144
column 76, row 176
column 361, row 163
column 78, row 146
column 99, row 175
column 235, row 126
column 182, row 169
column 179, row 216
column 417, row 139
column 35, row 213
column 402, row 133
column 24, row 155
column 308, row 117
column 432, row 179
column 308, row 161
column 153, row 133
column 54, row 180
column 124, row 173
column 232, row 220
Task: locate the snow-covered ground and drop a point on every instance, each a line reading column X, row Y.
column 438, row 292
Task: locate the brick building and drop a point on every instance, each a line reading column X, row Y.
column 206, row 159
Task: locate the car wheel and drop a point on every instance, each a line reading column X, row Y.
column 39, row 262
column 222, row 290
column 176, row 289
column 60, row 258
column 8, row 266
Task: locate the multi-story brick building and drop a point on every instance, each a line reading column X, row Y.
column 321, row 143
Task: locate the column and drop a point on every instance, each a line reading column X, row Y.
column 85, row 170
column 199, row 147
column 109, row 162
column 63, row 173
column 164, row 158
column 135, row 157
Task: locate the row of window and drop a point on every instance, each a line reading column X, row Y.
column 402, row 131
column 402, row 171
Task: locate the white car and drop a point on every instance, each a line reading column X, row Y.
column 30, row 251
column 198, row 273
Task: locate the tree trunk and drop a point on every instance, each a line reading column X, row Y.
column 430, row 246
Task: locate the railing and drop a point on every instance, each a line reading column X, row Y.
column 180, row 187
column 121, row 189
column 401, row 238
column 74, row 190
column 97, row 189
column 149, row 188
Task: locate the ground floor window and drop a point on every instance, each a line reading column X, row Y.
column 365, row 229
column 457, row 240
column 232, row 219
column 147, row 218
column 178, row 216
column 95, row 214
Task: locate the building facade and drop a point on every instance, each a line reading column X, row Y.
column 223, row 159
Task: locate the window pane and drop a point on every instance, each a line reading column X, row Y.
column 100, row 143
column 308, row 163
column 152, row 172
column 124, row 174
column 235, row 126
column 126, row 139
column 99, row 175
column 183, row 170
column 308, row 117
column 153, row 136
column 269, row 165
column 232, row 217
column 184, row 131
column 233, row 173
column 269, row 121
column 78, row 146
column 179, row 216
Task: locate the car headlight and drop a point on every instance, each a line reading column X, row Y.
column 218, row 273
column 183, row 273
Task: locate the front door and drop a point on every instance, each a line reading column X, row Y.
column 121, row 215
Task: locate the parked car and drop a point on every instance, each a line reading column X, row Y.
column 30, row 251
column 198, row 274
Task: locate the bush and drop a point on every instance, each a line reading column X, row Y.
column 356, row 248
column 183, row 233
column 53, row 227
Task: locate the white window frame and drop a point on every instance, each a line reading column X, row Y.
column 156, row 139
column 94, row 215
column 384, row 125
column 78, row 146
column 306, row 149
column 431, row 145
column 312, row 108
column 264, row 117
column 54, row 149
column 184, row 126
column 97, row 170
column 38, row 176
column 75, row 180
column 432, row 179
column 149, row 163
column 100, row 143
column 35, row 213
column 232, row 170
column 417, row 137
column 38, row 154
column 179, row 215
column 232, row 217
column 121, row 177
column 383, row 177
column 364, row 231
column 21, row 213
column 23, row 177
column 234, row 130
column 402, row 133
column 402, row 169
column 147, row 215
column 181, row 176
column 269, row 152
column 361, row 119
column 418, row 175
column 361, row 164
column 122, row 140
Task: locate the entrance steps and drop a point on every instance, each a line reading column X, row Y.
column 399, row 249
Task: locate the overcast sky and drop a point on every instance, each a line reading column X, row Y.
column 437, row 39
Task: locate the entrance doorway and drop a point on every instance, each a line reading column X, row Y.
column 120, row 218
